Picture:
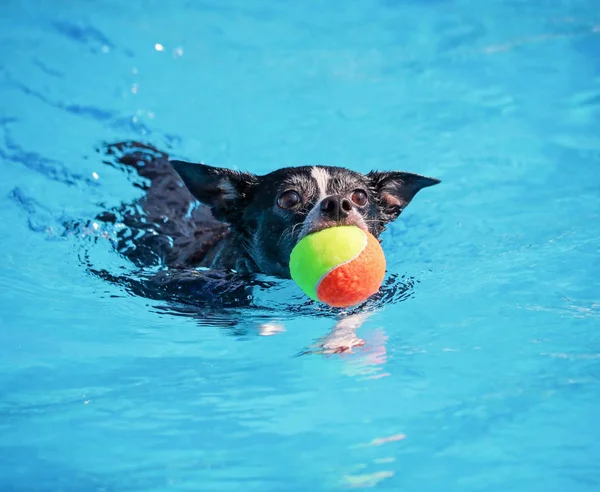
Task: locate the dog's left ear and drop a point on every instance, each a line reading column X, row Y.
column 225, row 191
column 396, row 189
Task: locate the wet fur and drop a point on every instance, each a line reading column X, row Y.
column 210, row 229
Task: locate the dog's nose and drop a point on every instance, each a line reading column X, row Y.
column 336, row 207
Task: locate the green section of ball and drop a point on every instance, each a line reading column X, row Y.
column 320, row 252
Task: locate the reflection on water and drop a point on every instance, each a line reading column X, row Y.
column 371, row 364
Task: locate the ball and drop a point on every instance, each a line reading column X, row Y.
column 340, row 266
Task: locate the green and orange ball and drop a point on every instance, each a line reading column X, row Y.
column 340, row 266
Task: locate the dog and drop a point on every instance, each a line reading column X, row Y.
column 211, row 229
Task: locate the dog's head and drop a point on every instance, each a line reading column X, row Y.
column 271, row 213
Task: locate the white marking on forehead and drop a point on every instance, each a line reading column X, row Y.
column 321, row 176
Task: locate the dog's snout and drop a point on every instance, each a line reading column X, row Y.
column 336, row 207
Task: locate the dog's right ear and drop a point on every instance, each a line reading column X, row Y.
column 225, row 191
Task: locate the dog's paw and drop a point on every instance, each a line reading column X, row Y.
column 340, row 346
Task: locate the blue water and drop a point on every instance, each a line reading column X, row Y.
column 483, row 376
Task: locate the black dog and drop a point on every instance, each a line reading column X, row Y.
column 211, row 227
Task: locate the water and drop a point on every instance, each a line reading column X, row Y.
column 482, row 375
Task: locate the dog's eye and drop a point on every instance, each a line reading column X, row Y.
column 359, row 197
column 288, row 199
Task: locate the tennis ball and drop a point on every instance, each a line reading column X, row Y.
column 340, row 266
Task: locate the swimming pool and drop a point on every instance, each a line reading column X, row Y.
column 483, row 375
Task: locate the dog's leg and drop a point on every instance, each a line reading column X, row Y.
column 342, row 338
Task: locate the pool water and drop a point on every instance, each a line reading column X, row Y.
column 482, row 375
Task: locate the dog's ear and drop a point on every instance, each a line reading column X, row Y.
column 395, row 190
column 225, row 191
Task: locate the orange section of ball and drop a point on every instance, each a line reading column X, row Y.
column 354, row 282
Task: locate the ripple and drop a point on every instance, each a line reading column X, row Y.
column 82, row 34
column 49, row 168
